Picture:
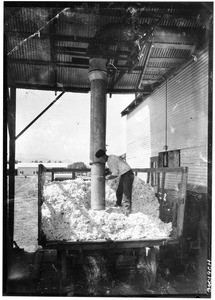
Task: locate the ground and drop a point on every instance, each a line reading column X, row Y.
column 36, row 271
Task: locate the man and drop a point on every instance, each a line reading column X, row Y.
column 119, row 168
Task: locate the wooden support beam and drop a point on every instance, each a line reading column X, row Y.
column 81, row 63
column 157, row 70
column 41, row 183
column 7, row 242
column 34, row 120
column 182, row 203
column 78, row 90
column 78, row 50
column 12, row 130
column 174, row 46
column 144, row 66
column 85, row 52
column 162, row 170
column 167, row 60
column 76, row 62
column 44, row 87
column 119, row 77
column 67, row 38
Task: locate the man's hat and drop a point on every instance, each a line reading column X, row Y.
column 100, row 153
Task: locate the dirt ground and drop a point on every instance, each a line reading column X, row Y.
column 26, row 213
column 36, row 271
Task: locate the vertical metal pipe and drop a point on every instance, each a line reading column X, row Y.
column 98, row 80
column 166, row 116
column 11, row 129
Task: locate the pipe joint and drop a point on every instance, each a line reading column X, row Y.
column 98, row 74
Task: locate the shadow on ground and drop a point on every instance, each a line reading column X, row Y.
column 38, row 274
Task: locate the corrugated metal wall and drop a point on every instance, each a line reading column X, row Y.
column 187, row 122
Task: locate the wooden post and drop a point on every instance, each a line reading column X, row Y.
column 41, row 182
column 11, row 129
column 182, row 200
column 163, row 183
column 98, row 80
column 158, row 190
column 148, row 178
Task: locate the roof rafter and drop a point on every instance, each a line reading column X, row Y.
column 144, row 66
column 61, row 88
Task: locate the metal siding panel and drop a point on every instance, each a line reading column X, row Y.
column 196, row 160
column 187, row 123
column 168, row 52
column 68, row 76
column 71, row 44
column 143, row 132
column 128, row 81
column 187, row 104
column 139, row 155
column 32, row 74
column 32, row 48
column 83, row 25
column 64, row 57
column 29, row 19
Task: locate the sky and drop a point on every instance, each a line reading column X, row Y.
column 63, row 131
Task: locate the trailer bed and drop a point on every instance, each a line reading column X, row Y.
column 177, row 213
column 144, row 248
column 110, row 244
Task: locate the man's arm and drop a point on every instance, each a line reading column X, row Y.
column 107, row 172
column 108, row 175
column 111, row 177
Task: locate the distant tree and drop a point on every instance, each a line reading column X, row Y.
column 77, row 165
column 60, row 161
column 40, row 161
column 49, row 161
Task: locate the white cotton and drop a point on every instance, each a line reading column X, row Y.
column 66, row 213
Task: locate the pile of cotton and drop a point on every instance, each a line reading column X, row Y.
column 66, row 213
column 143, row 197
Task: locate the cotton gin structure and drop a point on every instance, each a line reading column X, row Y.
column 161, row 54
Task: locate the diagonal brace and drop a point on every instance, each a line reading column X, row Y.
column 32, row 122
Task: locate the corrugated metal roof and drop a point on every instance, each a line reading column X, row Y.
column 48, row 46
